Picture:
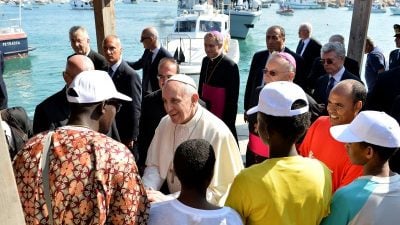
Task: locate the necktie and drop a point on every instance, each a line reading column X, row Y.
column 330, row 86
column 300, row 47
column 150, row 57
column 110, row 71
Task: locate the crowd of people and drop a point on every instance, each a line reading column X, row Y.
column 112, row 147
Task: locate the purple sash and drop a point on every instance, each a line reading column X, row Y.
column 215, row 96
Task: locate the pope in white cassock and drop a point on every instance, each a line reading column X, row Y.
column 186, row 119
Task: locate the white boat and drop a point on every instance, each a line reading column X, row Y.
column 81, row 4
column 306, row 4
column 285, row 10
column 186, row 42
column 130, row 1
column 243, row 16
column 266, row 3
column 378, row 7
column 13, row 39
column 395, row 10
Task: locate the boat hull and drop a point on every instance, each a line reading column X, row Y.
column 14, row 45
column 242, row 21
column 395, row 10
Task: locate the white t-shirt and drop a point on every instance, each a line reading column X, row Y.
column 174, row 212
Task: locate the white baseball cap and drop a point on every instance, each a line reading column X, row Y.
column 373, row 127
column 93, row 86
column 183, row 79
column 277, row 98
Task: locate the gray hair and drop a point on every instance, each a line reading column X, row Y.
column 74, row 29
column 308, row 26
column 369, row 41
column 336, row 47
column 337, row 38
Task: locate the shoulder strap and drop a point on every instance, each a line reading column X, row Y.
column 44, row 163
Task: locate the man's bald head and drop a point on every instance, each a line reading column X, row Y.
column 75, row 65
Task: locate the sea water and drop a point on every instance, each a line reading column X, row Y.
column 29, row 81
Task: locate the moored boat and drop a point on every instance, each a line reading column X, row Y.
column 284, row 10
column 13, row 39
column 243, row 16
column 395, row 10
column 306, row 4
column 378, row 7
column 81, row 4
column 186, row 42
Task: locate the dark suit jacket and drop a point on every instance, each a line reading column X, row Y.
column 150, row 69
column 54, row 112
column 3, row 89
column 385, row 91
column 318, row 70
column 127, row 81
column 394, row 60
column 225, row 75
column 100, row 63
column 255, row 77
column 320, row 94
column 312, row 51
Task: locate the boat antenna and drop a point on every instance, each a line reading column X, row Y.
column 20, row 14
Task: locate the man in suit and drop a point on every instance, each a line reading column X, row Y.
column 54, row 111
column 153, row 109
column 308, row 47
column 394, row 57
column 3, row 89
column 152, row 55
column 275, row 40
column 332, row 58
column 80, row 41
column 317, row 69
column 127, row 81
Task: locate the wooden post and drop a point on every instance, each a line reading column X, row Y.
column 359, row 29
column 10, row 204
column 104, row 16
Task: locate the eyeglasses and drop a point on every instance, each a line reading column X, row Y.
column 163, row 77
column 327, row 61
column 114, row 103
column 144, row 38
column 272, row 72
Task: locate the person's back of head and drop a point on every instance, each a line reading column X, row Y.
column 75, row 65
column 283, row 114
column 194, row 162
column 91, row 96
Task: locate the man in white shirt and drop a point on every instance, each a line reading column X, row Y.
column 186, row 120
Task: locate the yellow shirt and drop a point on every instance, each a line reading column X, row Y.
column 282, row 191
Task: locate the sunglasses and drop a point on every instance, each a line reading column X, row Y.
column 114, row 103
column 272, row 72
column 163, row 77
column 327, row 61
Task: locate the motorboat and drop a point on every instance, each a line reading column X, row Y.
column 378, row 7
column 130, row 1
column 285, row 10
column 306, row 4
column 13, row 39
column 186, row 42
column 81, row 4
column 266, row 3
column 395, row 10
column 243, row 16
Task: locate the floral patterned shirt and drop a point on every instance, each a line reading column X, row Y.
column 93, row 180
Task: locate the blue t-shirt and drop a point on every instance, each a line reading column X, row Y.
column 368, row 200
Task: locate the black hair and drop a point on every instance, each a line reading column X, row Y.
column 290, row 128
column 194, row 162
column 384, row 153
